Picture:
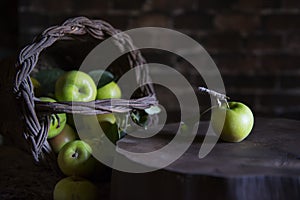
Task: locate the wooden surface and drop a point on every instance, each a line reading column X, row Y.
column 264, row 166
column 21, row 179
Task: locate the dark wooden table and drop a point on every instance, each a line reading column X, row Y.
column 264, row 166
column 22, row 179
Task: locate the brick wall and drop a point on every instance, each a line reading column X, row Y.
column 255, row 43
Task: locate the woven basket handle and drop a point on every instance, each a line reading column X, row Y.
column 37, row 130
column 98, row 29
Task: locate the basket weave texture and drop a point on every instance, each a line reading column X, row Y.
column 36, row 114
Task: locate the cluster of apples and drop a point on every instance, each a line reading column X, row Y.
column 74, row 156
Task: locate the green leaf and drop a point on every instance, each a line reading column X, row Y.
column 111, row 131
column 101, row 77
column 153, row 110
column 47, row 78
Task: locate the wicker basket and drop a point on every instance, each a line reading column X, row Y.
column 58, row 44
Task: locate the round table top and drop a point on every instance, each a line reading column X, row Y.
column 266, row 164
column 273, row 147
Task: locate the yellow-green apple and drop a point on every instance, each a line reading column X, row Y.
column 89, row 126
column 109, row 117
column 55, row 126
column 74, row 187
column 108, row 121
column 36, row 87
column 109, row 126
column 66, row 135
column 75, row 158
column 238, row 121
column 109, row 91
column 75, row 86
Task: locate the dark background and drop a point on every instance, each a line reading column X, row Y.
column 255, row 43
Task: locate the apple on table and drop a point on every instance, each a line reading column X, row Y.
column 238, row 121
column 73, row 187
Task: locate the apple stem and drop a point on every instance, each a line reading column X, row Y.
column 227, row 105
column 219, row 97
column 75, row 154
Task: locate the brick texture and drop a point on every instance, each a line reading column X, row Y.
column 264, row 42
column 170, row 6
column 280, row 62
column 193, row 21
column 155, row 19
column 281, row 21
column 290, row 4
column 246, row 5
column 293, row 41
column 254, row 43
column 222, row 42
column 237, row 22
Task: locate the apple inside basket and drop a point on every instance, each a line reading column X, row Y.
column 61, row 50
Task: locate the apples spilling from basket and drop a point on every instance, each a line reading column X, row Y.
column 74, row 156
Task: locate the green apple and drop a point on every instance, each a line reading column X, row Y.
column 238, row 121
column 109, row 91
column 78, row 188
column 109, row 117
column 66, row 135
column 75, row 158
column 75, row 86
column 36, row 87
column 55, row 127
column 109, row 126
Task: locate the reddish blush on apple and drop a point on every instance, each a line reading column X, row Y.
column 66, row 135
